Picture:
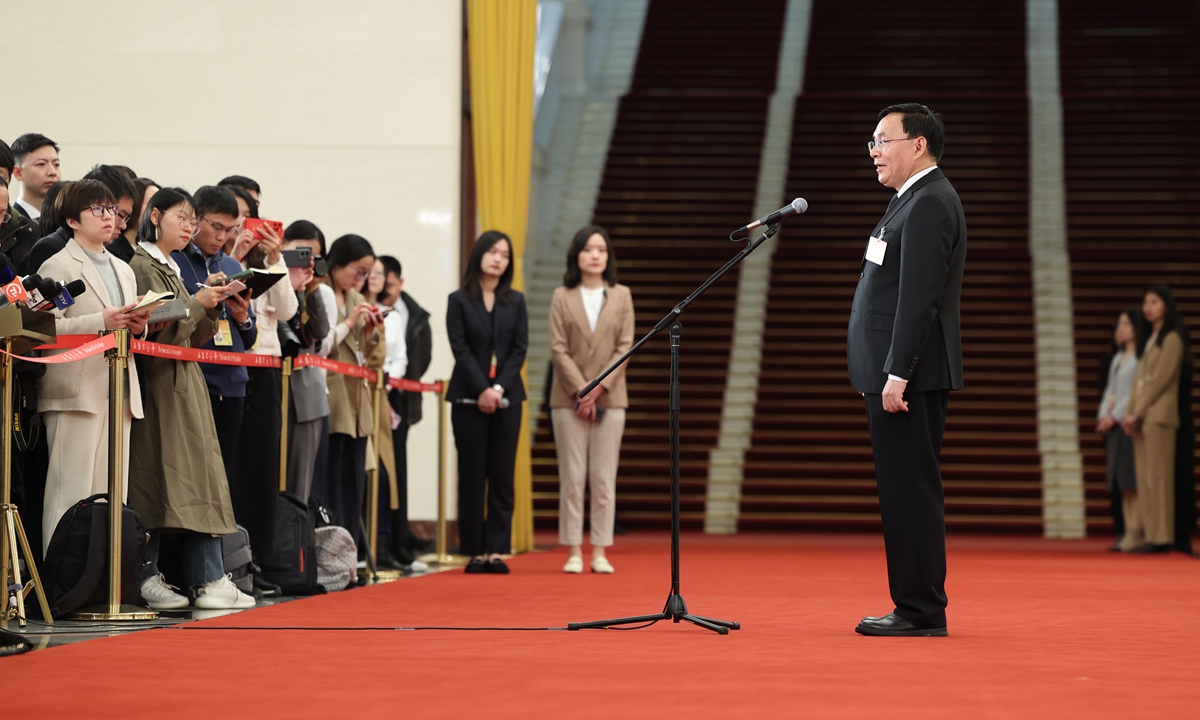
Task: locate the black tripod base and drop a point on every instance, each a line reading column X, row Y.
column 675, row 611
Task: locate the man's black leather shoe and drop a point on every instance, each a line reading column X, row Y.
column 1150, row 549
column 387, row 561
column 895, row 626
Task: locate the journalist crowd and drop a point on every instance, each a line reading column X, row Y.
column 203, row 269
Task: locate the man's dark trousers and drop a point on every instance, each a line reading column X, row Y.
column 906, row 446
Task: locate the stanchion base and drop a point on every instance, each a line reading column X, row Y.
column 100, row 613
column 444, row 561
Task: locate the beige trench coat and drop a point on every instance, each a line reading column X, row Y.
column 176, row 475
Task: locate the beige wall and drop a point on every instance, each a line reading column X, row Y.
column 346, row 113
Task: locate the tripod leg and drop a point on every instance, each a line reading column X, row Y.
column 31, row 564
column 11, row 535
column 719, row 629
column 722, row 623
column 638, row 619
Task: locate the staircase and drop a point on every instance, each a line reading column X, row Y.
column 1131, row 96
column 681, row 173
column 810, row 464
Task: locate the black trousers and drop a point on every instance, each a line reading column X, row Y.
column 253, row 494
column 346, row 482
column 393, row 524
column 487, row 454
column 227, row 415
column 906, row 446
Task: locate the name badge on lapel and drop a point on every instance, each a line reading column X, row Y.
column 876, row 249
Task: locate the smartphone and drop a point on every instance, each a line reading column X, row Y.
column 298, row 258
column 255, row 225
column 236, row 276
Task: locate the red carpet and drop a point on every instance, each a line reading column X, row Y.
column 1038, row 629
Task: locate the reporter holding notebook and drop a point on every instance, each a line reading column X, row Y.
column 73, row 397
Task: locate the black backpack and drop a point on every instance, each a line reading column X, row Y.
column 292, row 562
column 75, row 573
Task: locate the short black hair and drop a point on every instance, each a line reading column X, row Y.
column 48, row 222
column 302, row 230
column 240, row 181
column 115, row 179
column 7, row 161
column 78, row 197
column 573, row 276
column 214, row 199
column 245, row 196
column 29, row 142
column 920, row 121
column 470, row 281
column 391, row 265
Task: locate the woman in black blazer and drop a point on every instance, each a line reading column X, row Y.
column 489, row 334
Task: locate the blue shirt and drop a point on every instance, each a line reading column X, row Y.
column 223, row 380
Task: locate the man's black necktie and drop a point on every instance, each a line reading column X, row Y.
column 891, row 203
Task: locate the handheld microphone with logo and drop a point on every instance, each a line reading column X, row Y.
column 798, row 206
column 45, row 292
column 504, row 403
column 32, row 295
column 65, row 298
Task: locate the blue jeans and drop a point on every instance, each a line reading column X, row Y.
column 205, row 561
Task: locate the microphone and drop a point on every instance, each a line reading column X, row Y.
column 46, row 290
column 65, row 298
column 33, row 295
column 504, row 403
column 7, row 272
column 798, row 205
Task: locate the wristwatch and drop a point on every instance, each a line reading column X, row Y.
column 498, row 388
column 248, row 324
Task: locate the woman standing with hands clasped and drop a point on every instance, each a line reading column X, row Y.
column 1153, row 416
column 488, row 328
column 1118, row 447
column 591, row 326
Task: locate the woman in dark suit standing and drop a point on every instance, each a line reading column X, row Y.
column 488, row 329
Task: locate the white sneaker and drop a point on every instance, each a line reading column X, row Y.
column 418, row 567
column 161, row 596
column 574, row 565
column 222, row 594
column 602, row 565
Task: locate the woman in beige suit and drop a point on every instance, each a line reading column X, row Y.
column 73, row 397
column 591, row 325
column 1152, row 418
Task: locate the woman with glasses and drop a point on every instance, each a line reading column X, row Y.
column 488, row 328
column 73, row 397
column 355, row 337
column 177, row 477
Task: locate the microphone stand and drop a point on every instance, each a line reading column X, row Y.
column 675, row 609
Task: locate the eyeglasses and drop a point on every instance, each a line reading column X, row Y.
column 186, row 223
column 218, row 228
column 359, row 274
column 99, row 210
column 882, row 144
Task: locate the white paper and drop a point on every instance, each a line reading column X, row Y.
column 876, row 249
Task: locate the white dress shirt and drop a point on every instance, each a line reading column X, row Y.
column 158, row 255
column 33, row 212
column 395, row 325
column 593, row 303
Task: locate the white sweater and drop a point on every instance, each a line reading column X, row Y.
column 279, row 304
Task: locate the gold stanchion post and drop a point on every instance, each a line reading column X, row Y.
column 12, row 533
column 283, row 426
column 118, row 363
column 377, row 400
column 443, row 557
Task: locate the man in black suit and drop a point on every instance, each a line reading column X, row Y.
column 905, row 356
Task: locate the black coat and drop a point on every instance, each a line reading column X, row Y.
column 905, row 318
column 473, row 339
column 17, row 238
column 418, row 343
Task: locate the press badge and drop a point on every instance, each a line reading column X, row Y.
column 876, row 249
column 223, row 338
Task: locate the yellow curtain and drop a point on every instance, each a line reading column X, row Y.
column 501, row 35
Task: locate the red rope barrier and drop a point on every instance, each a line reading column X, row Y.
column 79, row 347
